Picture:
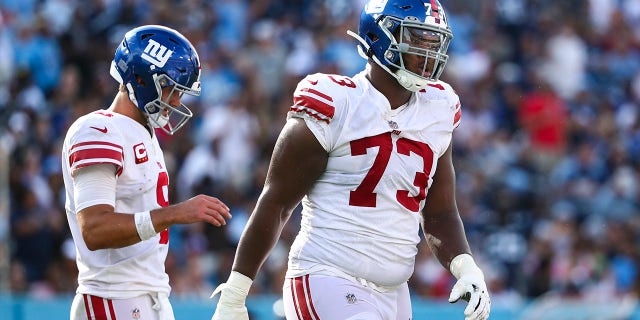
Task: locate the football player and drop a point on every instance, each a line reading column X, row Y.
column 116, row 180
column 370, row 158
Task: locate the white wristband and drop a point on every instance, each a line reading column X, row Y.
column 464, row 264
column 236, row 289
column 239, row 281
column 144, row 225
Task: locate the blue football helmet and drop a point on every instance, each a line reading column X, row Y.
column 391, row 30
column 151, row 58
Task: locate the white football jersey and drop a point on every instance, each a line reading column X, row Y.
column 141, row 184
column 362, row 216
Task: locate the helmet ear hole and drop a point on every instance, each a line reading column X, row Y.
column 140, row 80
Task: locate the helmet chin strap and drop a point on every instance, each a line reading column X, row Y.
column 114, row 73
column 157, row 120
column 408, row 81
column 132, row 95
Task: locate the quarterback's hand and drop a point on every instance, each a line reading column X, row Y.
column 470, row 287
column 232, row 297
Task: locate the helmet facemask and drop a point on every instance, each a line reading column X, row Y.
column 161, row 114
column 417, row 52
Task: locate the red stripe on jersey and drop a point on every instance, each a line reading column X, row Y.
column 95, row 154
column 434, row 9
column 435, row 85
column 104, row 113
column 95, row 150
column 458, row 115
column 97, row 304
column 318, row 93
column 302, row 299
column 308, row 293
column 315, row 105
column 88, row 143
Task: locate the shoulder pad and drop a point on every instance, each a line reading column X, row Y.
column 443, row 91
column 92, row 141
column 316, row 95
column 439, row 90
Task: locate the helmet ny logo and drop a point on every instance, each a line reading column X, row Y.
column 156, row 53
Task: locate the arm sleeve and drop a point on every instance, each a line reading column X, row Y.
column 95, row 185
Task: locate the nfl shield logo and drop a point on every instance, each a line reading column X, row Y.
column 135, row 314
column 351, row 298
column 394, row 126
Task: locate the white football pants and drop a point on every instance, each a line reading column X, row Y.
column 315, row 297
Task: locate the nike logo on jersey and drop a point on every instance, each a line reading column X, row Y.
column 103, row 129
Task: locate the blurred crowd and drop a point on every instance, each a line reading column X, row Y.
column 547, row 155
